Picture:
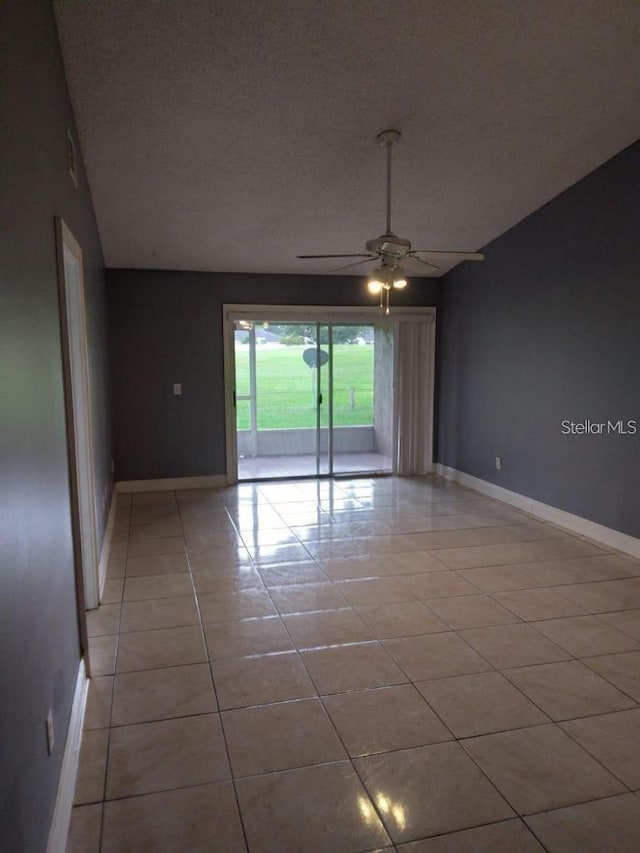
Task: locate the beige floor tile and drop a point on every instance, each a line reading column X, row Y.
column 280, row 737
column 157, row 586
column 247, row 637
column 513, row 645
column 175, row 822
column 232, row 606
column 84, row 829
column 608, row 825
column 326, row 628
column 155, row 530
column 198, row 542
column 151, row 498
column 568, row 689
column 143, row 758
column 352, row 568
column 321, row 808
column 98, row 711
column 534, row 604
column 265, row 555
column 374, row 591
column 550, row 573
column 358, row 547
column 471, row 611
column 438, row 585
column 409, row 563
column 435, row 656
column 298, row 598
column 520, row 552
column 112, row 591
column 157, row 694
column 540, row 768
column 430, row 790
column 614, row 739
column 154, row 547
column 401, row 619
column 103, row 620
column 159, row 613
column 352, row 667
column 480, row 704
column 220, row 560
column 585, row 635
column 102, row 655
column 627, row 621
column 261, row 680
column 510, row 836
column 623, row 670
column 223, row 582
column 385, row 719
column 304, row 571
column 116, row 566
column 165, row 647
column 162, row 564
column 604, row 596
column 91, row 767
column 278, row 536
column 154, row 513
column 480, row 536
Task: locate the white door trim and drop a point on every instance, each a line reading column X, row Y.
column 78, row 406
column 336, row 314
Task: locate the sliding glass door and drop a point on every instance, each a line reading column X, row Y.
column 312, row 399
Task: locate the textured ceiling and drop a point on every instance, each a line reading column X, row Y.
column 231, row 135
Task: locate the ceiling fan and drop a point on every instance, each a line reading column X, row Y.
column 390, row 250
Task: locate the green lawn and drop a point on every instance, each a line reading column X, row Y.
column 286, row 396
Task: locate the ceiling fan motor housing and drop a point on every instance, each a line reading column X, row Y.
column 389, row 244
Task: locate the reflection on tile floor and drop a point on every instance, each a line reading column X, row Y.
column 358, row 665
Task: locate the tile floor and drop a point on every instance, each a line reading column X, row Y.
column 372, row 664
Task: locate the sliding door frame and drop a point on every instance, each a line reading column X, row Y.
column 323, row 314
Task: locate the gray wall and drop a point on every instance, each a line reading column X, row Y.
column 39, row 641
column 166, row 327
column 548, row 329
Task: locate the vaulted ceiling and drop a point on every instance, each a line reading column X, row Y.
column 232, row 135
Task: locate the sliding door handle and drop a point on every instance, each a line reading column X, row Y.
column 320, row 399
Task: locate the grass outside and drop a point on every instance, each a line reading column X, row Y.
column 286, row 389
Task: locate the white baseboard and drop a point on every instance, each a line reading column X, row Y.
column 106, row 542
column 59, row 830
column 575, row 523
column 212, row 481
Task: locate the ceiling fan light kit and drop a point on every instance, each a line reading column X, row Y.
column 389, row 249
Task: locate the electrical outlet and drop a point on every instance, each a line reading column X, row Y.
column 177, row 389
column 498, row 463
column 49, row 729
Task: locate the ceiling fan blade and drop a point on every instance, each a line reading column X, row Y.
column 412, row 257
column 414, row 266
column 353, row 255
column 463, row 256
column 357, row 263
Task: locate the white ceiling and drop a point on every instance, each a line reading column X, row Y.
column 233, row 135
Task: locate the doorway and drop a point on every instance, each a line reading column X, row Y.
column 78, row 414
column 311, row 392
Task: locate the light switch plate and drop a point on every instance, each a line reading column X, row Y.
column 177, row 389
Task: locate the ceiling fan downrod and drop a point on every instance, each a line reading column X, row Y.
column 388, row 138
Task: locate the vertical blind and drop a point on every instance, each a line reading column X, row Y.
column 414, row 397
